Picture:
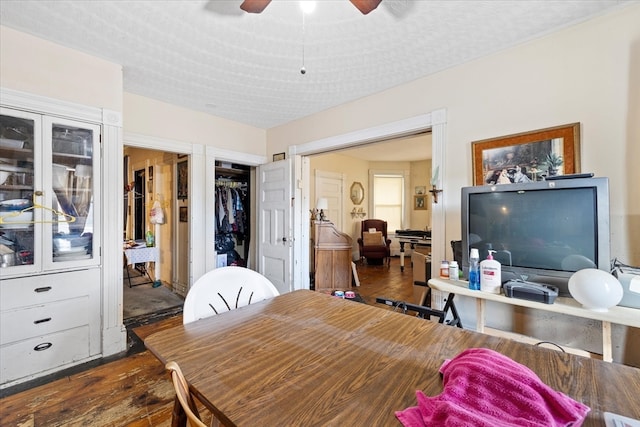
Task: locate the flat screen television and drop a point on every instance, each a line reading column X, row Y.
column 541, row 231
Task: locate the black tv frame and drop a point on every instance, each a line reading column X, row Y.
column 558, row 278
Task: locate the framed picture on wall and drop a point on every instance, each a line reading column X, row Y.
column 182, row 190
column 420, row 202
column 527, row 156
column 184, row 214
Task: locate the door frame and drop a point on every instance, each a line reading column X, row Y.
column 435, row 121
column 202, row 160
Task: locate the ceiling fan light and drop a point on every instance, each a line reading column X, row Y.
column 307, row 6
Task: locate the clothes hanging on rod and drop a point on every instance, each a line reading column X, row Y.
column 230, row 210
column 231, row 219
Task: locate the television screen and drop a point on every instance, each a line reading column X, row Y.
column 542, row 231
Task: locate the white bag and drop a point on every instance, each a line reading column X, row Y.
column 156, row 216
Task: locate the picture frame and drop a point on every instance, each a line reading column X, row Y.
column 421, row 189
column 182, row 182
column 356, row 193
column 527, row 156
column 184, row 214
column 420, row 202
column 279, row 156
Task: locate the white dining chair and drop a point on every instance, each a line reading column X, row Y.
column 225, row 289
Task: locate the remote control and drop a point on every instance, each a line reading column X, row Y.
column 522, row 282
column 570, row 176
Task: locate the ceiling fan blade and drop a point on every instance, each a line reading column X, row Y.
column 254, row 6
column 366, row 6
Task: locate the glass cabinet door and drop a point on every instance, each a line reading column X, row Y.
column 48, row 193
column 19, row 139
column 72, row 195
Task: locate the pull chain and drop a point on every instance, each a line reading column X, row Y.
column 303, row 70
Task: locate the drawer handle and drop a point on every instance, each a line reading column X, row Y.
column 43, row 346
column 43, row 289
column 42, row 320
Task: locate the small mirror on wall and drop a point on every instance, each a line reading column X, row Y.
column 357, row 193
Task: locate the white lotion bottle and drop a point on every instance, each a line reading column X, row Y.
column 490, row 275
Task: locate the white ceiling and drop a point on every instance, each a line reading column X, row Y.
column 212, row 57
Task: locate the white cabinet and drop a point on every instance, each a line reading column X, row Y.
column 50, row 243
column 48, row 322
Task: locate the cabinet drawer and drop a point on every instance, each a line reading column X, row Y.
column 33, row 290
column 39, row 354
column 40, row 320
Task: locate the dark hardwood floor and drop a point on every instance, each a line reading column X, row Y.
column 134, row 390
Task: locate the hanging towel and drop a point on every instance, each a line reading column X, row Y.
column 485, row 388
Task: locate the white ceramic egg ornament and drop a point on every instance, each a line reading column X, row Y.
column 595, row 289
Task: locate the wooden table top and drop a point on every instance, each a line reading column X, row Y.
column 306, row 358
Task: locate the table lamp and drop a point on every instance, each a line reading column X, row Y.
column 595, row 289
column 321, row 205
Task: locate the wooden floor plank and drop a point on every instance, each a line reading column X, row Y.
column 136, row 391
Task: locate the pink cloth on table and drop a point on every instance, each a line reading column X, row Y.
column 485, row 388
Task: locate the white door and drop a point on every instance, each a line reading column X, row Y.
column 275, row 230
column 330, row 186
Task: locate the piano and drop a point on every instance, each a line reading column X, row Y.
column 414, row 238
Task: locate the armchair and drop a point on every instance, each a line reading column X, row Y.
column 374, row 247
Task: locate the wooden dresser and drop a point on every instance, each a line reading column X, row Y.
column 332, row 256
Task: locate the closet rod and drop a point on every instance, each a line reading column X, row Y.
column 230, row 184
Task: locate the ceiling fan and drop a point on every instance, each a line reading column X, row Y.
column 257, row 6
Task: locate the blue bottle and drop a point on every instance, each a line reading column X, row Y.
column 474, row 270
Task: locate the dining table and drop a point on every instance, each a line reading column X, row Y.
column 306, row 358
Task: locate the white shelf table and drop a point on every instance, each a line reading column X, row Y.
column 569, row 306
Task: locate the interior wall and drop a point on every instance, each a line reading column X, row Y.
column 149, row 117
column 37, row 66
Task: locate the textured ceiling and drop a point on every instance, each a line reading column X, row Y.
column 212, row 57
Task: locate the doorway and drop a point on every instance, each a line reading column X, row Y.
column 139, row 204
column 157, row 284
column 435, row 122
column 407, row 158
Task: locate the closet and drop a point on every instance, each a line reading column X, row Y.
column 232, row 214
